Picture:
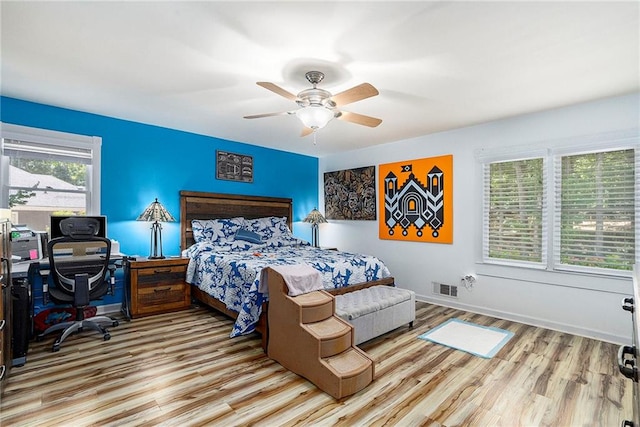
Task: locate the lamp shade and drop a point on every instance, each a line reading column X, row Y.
column 156, row 212
column 315, row 116
column 315, row 217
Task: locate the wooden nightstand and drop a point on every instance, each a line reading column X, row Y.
column 155, row 286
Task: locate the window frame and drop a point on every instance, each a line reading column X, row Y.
column 58, row 139
column 485, row 221
column 551, row 152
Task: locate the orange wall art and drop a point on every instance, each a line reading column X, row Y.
column 416, row 200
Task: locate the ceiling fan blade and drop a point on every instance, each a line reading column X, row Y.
column 356, row 93
column 258, row 116
column 359, row 119
column 277, row 89
column 306, row 131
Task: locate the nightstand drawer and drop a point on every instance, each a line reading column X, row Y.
column 161, row 275
column 150, row 298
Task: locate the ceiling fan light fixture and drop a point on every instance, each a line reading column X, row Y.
column 315, row 116
column 318, row 106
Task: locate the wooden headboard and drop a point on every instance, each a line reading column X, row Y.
column 201, row 205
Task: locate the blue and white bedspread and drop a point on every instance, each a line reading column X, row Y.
column 230, row 272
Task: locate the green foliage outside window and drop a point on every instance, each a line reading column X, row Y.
column 73, row 173
column 515, row 211
column 598, row 210
column 20, row 198
column 594, row 210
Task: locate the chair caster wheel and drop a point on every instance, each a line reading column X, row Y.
column 115, row 323
column 56, row 347
column 106, row 337
column 39, row 338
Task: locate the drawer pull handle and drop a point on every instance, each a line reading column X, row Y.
column 162, row 289
column 2, row 323
column 627, row 365
column 162, row 270
column 627, row 304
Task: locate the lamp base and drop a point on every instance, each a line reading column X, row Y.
column 315, row 236
column 156, row 241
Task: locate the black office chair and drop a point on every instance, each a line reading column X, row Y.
column 79, row 277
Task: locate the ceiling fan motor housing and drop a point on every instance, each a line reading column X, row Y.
column 315, row 96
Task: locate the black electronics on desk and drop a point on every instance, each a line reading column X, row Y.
column 27, row 244
column 79, row 249
column 22, row 322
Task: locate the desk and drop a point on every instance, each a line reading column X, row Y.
column 31, row 273
column 20, row 270
column 27, row 283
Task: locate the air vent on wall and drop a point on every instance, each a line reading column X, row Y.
column 446, row 290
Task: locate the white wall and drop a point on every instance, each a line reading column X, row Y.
column 580, row 304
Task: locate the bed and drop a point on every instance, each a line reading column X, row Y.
column 231, row 238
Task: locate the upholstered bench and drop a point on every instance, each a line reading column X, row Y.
column 376, row 310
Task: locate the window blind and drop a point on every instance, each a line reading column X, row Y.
column 595, row 210
column 515, row 211
column 41, row 151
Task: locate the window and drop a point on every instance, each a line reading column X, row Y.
column 46, row 172
column 515, row 193
column 568, row 209
column 595, row 204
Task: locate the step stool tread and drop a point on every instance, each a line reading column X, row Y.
column 312, row 299
column 329, row 328
column 349, row 363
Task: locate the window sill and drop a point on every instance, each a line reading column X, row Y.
column 595, row 282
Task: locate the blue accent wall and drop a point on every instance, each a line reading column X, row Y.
column 141, row 162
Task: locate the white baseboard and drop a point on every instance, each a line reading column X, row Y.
column 528, row 320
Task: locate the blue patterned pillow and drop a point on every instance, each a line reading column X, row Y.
column 249, row 236
column 269, row 227
column 214, row 230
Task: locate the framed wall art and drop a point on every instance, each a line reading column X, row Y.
column 350, row 194
column 416, row 200
column 234, row 167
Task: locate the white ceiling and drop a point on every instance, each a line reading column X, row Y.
column 438, row 65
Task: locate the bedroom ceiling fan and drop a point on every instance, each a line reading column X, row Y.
column 318, row 106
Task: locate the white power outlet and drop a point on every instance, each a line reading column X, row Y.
column 468, row 281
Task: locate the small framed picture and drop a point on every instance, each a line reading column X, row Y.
column 234, row 167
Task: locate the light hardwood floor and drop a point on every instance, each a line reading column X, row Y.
column 183, row 369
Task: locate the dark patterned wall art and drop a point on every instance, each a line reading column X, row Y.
column 234, row 167
column 416, row 200
column 350, row 194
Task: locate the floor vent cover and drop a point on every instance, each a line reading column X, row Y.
column 446, row 290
